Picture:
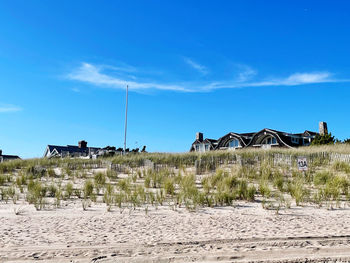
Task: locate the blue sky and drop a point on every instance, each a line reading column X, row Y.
column 209, row 66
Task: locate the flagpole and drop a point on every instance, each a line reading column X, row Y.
column 126, row 117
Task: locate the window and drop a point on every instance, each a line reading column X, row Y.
column 202, row 147
column 233, row 143
column 269, row 140
column 295, row 140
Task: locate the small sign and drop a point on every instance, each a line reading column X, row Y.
column 302, row 163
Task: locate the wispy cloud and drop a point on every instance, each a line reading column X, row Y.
column 246, row 77
column 297, row 79
column 245, row 73
column 9, row 108
column 195, row 65
column 93, row 74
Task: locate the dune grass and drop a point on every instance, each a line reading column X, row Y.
column 190, row 180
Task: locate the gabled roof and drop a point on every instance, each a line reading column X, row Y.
column 244, row 138
column 8, row 157
column 286, row 139
column 211, row 142
column 71, row 149
column 280, row 136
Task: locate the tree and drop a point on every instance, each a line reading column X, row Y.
column 323, row 139
column 347, row 141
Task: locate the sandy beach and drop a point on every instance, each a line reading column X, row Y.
column 243, row 233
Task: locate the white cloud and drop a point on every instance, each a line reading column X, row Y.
column 96, row 75
column 200, row 68
column 297, row 79
column 9, row 108
column 305, row 78
column 93, row 75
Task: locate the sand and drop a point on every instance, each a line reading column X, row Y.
column 244, row 233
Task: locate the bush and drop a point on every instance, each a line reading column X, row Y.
column 298, row 191
column 189, row 191
column 125, row 185
column 264, row 188
column 2, row 179
column 100, row 180
column 69, row 190
column 169, row 186
column 36, row 194
column 321, row 178
column 323, row 139
column 88, row 189
column 251, row 193
column 77, row 193
column 242, row 189
column 341, row 166
column 108, row 195
column 278, row 181
column 147, row 181
column 52, row 190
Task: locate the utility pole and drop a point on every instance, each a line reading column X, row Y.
column 126, row 117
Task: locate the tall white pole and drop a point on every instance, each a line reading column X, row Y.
column 126, row 117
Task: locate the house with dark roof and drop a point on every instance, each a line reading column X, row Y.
column 4, row 158
column 266, row 139
column 80, row 150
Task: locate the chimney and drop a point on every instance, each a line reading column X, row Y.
column 199, row 136
column 323, row 130
column 82, row 144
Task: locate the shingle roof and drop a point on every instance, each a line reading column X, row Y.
column 71, row 149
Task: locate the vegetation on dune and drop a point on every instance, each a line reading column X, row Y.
column 190, row 180
column 326, row 139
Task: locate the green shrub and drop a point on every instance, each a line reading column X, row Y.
column 58, row 197
column 298, row 191
column 189, row 191
column 69, row 190
column 125, row 185
column 341, row 166
column 247, row 171
column 108, row 195
column 51, row 172
column 264, row 188
column 77, row 193
column 88, row 189
column 119, row 199
column 36, row 194
column 52, row 189
column 111, row 174
column 251, row 193
column 218, row 177
column 242, row 189
column 321, row 178
column 278, row 181
column 100, row 180
column 2, row 179
column 147, row 181
column 265, row 171
column 169, row 186
column 323, row 139
column 11, row 191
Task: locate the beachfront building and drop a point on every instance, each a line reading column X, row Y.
column 266, row 139
column 80, row 150
column 4, row 158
